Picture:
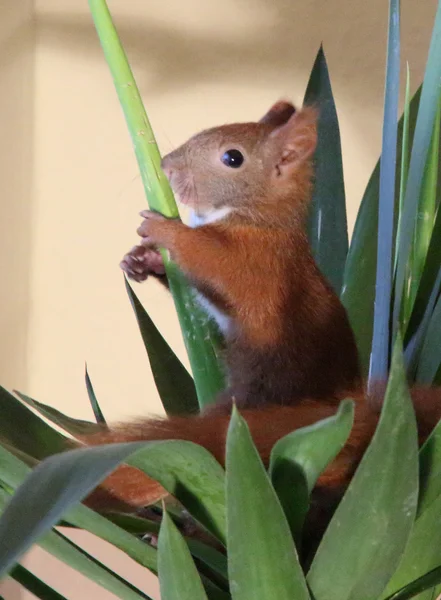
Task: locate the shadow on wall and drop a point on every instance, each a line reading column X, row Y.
column 16, row 81
column 178, row 55
column 255, row 41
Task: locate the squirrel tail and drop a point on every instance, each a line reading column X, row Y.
column 127, row 488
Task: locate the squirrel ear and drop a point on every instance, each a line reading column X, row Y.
column 296, row 140
column 278, row 114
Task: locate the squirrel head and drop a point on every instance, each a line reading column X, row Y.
column 257, row 170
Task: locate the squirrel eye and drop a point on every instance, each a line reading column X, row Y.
column 232, row 158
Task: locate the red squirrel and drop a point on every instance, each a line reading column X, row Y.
column 249, row 185
column 290, row 351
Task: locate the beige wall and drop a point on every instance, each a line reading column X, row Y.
column 206, row 64
column 16, row 140
column 70, row 188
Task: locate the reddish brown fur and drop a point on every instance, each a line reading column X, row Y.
column 128, row 488
column 288, row 336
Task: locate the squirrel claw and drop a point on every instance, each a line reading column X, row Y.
column 141, row 262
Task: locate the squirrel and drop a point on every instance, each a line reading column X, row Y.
column 290, row 351
column 249, row 185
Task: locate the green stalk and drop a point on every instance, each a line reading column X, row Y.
column 201, row 339
column 424, row 222
column 404, row 160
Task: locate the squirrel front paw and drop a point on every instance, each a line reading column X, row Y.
column 141, row 262
column 157, row 230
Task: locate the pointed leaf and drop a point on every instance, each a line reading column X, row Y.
column 430, row 275
column 201, row 336
column 99, row 417
column 368, row 533
column 212, row 558
column 379, row 359
column 44, row 498
column 173, row 382
column 75, row 557
column 72, row 426
column 358, row 290
column 26, row 431
column 12, row 470
column 430, row 470
column 430, row 356
column 85, row 518
column 178, row 576
column 262, row 559
column 327, row 226
column 405, row 153
column 426, row 582
column 298, row 459
column 315, row 446
column 421, row 143
column 46, row 494
column 192, row 475
column 424, row 223
column 185, row 470
column 422, row 551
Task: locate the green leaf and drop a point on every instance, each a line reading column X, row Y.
column 211, row 557
column 262, row 559
column 430, row 470
column 133, row 523
column 45, row 498
column 298, row 459
column 424, row 224
column 184, row 469
column 34, row 585
column 404, row 160
column 190, row 474
column 426, row 582
column 178, row 576
column 25, row 458
column 75, row 557
column 12, row 470
column 201, row 337
column 46, row 494
column 427, row 112
column 327, row 224
column 368, row 533
column 422, row 551
column 174, row 384
column 379, row 359
column 99, row 417
column 358, row 290
column 72, row 426
column 23, row 429
column 429, row 284
column 87, row 519
column 430, row 356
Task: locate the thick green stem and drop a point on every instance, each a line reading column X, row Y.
column 201, row 340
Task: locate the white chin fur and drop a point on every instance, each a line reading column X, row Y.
column 216, row 214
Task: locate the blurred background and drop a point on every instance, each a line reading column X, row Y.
column 70, row 187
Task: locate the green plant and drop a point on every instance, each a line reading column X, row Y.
column 382, row 542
